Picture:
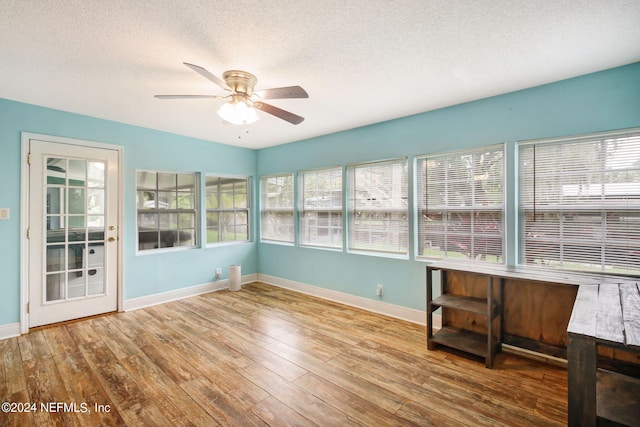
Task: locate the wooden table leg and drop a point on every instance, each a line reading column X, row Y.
column 490, row 333
column 430, row 345
column 582, row 365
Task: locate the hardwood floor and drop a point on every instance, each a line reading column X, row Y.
column 264, row 356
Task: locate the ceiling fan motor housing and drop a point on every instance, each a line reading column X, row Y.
column 240, row 81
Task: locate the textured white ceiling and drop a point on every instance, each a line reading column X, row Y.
column 361, row 61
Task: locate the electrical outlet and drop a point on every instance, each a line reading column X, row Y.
column 380, row 290
column 218, row 272
column 4, row 213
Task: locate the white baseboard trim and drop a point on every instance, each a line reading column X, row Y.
column 404, row 313
column 163, row 297
column 9, row 330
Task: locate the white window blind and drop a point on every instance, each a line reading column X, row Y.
column 378, row 208
column 580, row 203
column 227, row 209
column 277, row 203
column 461, row 205
column 321, row 200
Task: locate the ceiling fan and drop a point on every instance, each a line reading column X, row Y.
column 243, row 99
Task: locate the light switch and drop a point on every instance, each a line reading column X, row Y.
column 4, row 213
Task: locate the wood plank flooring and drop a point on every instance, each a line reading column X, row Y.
column 264, row 356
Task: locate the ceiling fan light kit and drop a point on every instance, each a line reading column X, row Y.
column 241, row 108
column 238, row 113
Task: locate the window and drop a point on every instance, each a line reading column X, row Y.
column 580, row 203
column 461, row 205
column 227, row 209
column 277, row 208
column 166, row 204
column 321, row 200
column 378, row 207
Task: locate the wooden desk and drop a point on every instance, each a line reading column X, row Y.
column 606, row 315
column 527, row 307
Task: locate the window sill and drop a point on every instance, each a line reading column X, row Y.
column 276, row 242
column 380, row 254
column 165, row 250
column 231, row 243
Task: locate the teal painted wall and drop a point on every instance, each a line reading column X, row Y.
column 596, row 102
column 143, row 149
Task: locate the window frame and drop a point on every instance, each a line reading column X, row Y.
column 474, row 209
column 352, row 212
column 194, row 211
column 574, row 210
column 266, row 210
column 221, row 210
column 331, row 211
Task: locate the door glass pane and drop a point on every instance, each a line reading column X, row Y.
column 55, row 200
column 76, row 286
column 77, row 234
column 76, row 221
column 95, row 171
column 95, row 233
column 77, row 202
column 96, row 281
column 55, row 258
column 55, row 229
column 96, row 256
column 77, row 173
column 95, row 201
column 54, row 286
column 76, row 256
column 95, row 221
column 56, row 171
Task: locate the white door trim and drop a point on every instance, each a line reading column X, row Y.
column 24, row 216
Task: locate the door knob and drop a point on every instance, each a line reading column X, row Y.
column 112, row 239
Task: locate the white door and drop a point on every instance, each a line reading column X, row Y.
column 73, row 213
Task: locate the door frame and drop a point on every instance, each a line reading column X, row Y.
column 24, row 216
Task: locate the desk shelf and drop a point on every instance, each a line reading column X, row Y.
column 487, row 306
column 471, row 304
column 461, row 339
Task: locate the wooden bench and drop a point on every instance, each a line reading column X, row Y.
column 604, row 315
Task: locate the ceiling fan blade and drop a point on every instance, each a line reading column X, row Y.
column 282, row 93
column 206, row 74
column 187, row 96
column 280, row 113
